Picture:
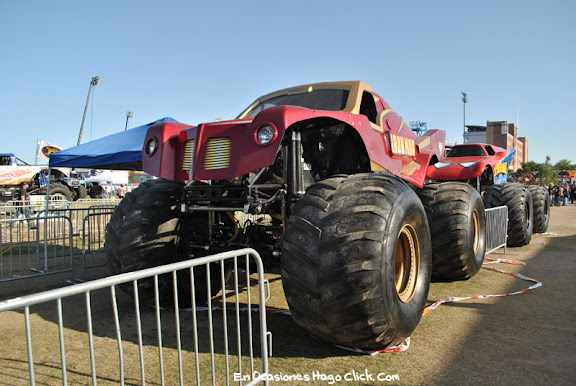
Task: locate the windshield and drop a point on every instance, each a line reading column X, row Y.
column 328, row 99
column 466, row 151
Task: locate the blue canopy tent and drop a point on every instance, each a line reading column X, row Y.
column 120, row 151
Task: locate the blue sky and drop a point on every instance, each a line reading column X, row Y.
column 193, row 61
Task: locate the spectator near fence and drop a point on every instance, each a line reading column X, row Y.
column 556, row 195
column 22, row 203
column 121, row 191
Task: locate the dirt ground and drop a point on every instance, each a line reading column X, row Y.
column 515, row 340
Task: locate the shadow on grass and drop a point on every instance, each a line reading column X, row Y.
column 26, row 261
column 526, row 339
column 517, row 336
column 14, row 371
column 241, row 327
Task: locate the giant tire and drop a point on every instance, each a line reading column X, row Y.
column 356, row 261
column 519, row 202
column 96, row 191
column 541, row 206
column 58, row 192
column 146, row 230
column 80, row 193
column 457, row 221
column 60, row 196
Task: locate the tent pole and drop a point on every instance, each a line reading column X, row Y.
column 46, row 220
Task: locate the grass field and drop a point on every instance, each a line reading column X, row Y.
column 518, row 340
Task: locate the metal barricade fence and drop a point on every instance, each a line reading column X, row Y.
column 92, row 234
column 34, row 246
column 100, row 334
column 496, row 228
column 76, row 210
column 25, row 252
column 11, row 209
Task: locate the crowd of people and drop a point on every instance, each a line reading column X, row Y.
column 560, row 194
column 112, row 190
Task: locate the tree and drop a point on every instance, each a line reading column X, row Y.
column 564, row 164
column 547, row 174
column 531, row 166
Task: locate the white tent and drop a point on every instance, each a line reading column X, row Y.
column 117, row 177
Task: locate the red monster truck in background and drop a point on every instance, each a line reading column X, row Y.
column 475, row 162
column 336, row 179
column 486, row 167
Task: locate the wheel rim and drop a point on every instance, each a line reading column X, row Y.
column 546, row 211
column 406, row 263
column 58, row 200
column 476, row 231
column 528, row 216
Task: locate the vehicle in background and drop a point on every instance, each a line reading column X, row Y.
column 14, row 171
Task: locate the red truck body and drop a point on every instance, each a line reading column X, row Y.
column 472, row 160
column 228, row 149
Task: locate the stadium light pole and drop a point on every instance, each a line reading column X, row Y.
column 94, row 82
column 464, row 100
column 129, row 114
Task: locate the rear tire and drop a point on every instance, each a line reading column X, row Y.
column 457, row 221
column 96, row 191
column 356, row 261
column 541, row 206
column 519, row 202
column 80, row 193
column 147, row 230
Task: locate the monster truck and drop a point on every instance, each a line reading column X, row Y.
column 486, row 167
column 333, row 173
column 12, row 173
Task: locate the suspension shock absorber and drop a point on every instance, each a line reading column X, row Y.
column 296, row 179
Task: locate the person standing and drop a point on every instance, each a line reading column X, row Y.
column 23, row 203
column 121, row 192
column 556, row 195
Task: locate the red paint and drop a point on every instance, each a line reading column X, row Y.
column 247, row 155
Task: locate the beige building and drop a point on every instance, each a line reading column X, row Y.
column 502, row 134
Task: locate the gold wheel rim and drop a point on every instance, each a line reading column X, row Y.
column 406, row 263
column 476, row 231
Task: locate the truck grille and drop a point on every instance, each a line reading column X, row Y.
column 217, row 155
column 188, row 158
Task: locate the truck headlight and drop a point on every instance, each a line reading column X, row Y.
column 151, row 146
column 265, row 134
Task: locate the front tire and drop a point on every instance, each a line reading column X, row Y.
column 457, row 221
column 519, row 202
column 356, row 261
column 60, row 196
column 146, row 230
